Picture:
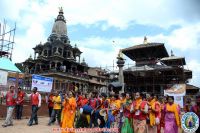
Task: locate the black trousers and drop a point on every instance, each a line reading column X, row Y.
column 19, row 109
column 34, row 115
column 50, row 111
column 56, row 113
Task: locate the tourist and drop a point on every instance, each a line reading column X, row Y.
column 139, row 108
column 10, row 103
column 153, row 113
column 36, row 104
column 196, row 109
column 68, row 112
column 19, row 103
column 172, row 116
column 56, row 109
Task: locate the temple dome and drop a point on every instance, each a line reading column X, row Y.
column 59, row 26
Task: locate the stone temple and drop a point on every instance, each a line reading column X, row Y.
column 57, row 58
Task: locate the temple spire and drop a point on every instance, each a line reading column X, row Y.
column 145, row 40
column 172, row 53
column 60, row 27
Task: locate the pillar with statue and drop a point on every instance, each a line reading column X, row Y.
column 120, row 64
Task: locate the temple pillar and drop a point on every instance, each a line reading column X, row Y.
column 120, row 64
column 71, row 55
column 56, row 65
column 42, row 52
column 50, row 66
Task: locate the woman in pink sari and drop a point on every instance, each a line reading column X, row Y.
column 172, row 116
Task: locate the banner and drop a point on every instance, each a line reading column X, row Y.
column 43, row 84
column 177, row 91
column 3, row 77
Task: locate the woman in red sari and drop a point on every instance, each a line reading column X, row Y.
column 162, row 118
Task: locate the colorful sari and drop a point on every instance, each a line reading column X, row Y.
column 153, row 115
column 138, row 125
column 68, row 115
column 126, row 119
column 172, row 118
column 116, row 107
column 162, row 119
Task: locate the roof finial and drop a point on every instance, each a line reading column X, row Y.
column 60, row 10
column 172, row 53
column 145, row 40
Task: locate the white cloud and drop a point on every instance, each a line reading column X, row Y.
column 24, row 44
column 194, row 65
column 116, row 13
column 10, row 9
column 183, row 39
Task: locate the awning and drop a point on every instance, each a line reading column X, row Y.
column 7, row 65
column 115, row 84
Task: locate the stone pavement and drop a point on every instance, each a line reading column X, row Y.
column 20, row 126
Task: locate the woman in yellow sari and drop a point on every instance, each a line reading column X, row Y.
column 154, row 110
column 68, row 114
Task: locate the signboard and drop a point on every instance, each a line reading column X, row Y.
column 43, row 84
column 177, row 91
column 3, row 77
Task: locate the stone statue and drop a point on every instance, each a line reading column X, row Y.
column 120, row 55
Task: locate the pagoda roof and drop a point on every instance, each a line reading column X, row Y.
column 146, row 51
column 174, row 59
column 192, row 87
column 148, row 68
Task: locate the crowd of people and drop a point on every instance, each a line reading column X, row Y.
column 128, row 113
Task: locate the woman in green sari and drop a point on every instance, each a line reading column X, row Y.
column 127, row 120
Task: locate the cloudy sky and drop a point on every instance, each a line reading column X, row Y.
column 94, row 24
